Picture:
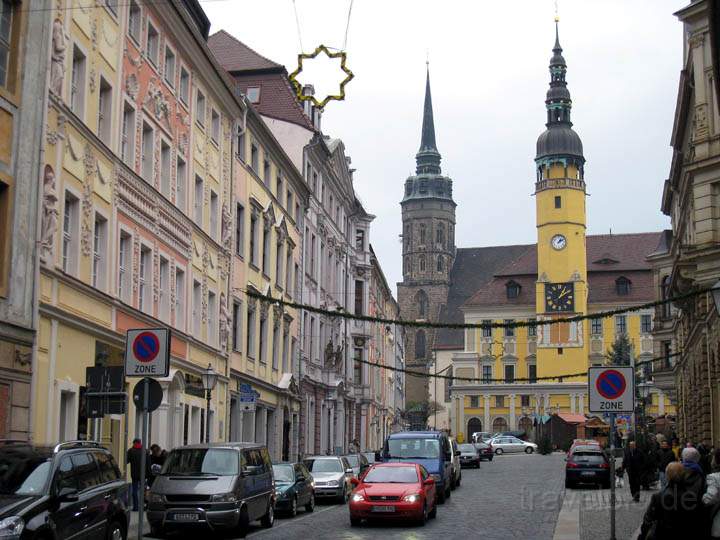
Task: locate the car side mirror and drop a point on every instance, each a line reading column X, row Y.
column 429, row 482
column 349, row 471
column 354, row 481
column 68, row 494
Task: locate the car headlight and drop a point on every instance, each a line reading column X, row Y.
column 11, row 527
column 224, row 497
column 312, row 483
column 415, row 497
column 333, row 483
column 358, row 497
column 156, row 498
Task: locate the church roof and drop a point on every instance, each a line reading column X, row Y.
column 428, row 157
column 473, row 267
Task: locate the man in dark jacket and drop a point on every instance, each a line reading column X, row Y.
column 134, row 458
column 634, row 465
column 676, row 511
column 665, row 456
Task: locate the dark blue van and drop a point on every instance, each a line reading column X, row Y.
column 431, row 449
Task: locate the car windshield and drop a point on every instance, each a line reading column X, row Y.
column 201, row 461
column 324, row 465
column 23, row 472
column 467, row 448
column 391, row 475
column 283, row 473
column 354, row 461
column 414, row 448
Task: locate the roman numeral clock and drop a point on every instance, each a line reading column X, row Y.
column 559, row 297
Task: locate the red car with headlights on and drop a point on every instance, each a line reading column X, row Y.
column 393, row 491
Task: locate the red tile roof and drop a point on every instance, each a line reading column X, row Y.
column 250, row 69
column 234, row 55
column 573, row 418
column 627, row 251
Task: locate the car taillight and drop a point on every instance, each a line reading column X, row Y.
column 605, row 465
column 571, row 465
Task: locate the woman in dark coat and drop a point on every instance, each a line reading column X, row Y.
column 676, row 511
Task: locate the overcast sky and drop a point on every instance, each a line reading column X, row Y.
column 489, row 75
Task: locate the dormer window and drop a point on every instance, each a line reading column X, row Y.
column 622, row 286
column 253, row 94
column 512, row 288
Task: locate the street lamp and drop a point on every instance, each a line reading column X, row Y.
column 209, row 380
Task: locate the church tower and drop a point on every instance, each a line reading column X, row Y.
column 428, row 250
column 561, row 222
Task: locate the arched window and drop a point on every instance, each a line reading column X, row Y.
column 422, row 301
column 422, row 263
column 440, row 264
column 420, row 344
column 440, row 234
column 665, row 294
column 622, row 286
column 422, row 233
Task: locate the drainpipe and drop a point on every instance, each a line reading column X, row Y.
column 38, row 232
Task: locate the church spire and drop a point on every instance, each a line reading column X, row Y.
column 428, row 157
column 559, row 141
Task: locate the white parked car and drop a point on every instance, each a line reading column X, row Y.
column 508, row 444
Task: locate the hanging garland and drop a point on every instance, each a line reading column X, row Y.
column 516, row 324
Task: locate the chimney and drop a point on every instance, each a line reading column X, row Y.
column 312, row 112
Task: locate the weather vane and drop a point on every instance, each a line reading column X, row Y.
column 557, row 15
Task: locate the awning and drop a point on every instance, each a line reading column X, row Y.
column 572, row 418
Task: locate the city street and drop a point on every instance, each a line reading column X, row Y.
column 514, row 496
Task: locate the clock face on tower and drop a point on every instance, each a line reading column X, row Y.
column 559, row 297
column 558, row 242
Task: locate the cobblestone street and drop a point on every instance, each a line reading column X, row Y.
column 514, row 496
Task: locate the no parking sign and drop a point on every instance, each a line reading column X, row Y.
column 611, row 389
column 147, row 352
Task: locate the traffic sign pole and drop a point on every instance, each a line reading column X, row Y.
column 612, row 476
column 143, row 456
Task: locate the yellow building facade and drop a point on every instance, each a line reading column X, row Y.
column 509, row 378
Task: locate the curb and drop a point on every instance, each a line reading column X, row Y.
column 567, row 526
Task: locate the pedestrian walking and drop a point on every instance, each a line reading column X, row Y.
column 157, row 460
column 134, row 458
column 649, row 474
column 676, row 511
column 665, row 456
column 694, row 473
column 705, row 456
column 711, row 498
column 634, row 465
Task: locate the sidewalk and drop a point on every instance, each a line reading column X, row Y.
column 133, row 530
column 585, row 514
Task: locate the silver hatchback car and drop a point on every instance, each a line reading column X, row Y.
column 332, row 476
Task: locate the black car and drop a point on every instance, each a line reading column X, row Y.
column 294, row 487
column 72, row 490
column 587, row 465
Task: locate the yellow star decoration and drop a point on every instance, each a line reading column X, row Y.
column 308, row 56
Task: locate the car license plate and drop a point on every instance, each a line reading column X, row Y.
column 587, row 473
column 383, row 508
column 186, row 517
